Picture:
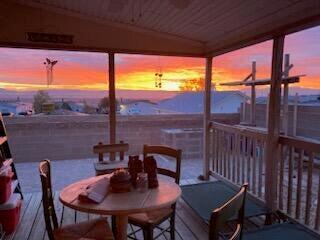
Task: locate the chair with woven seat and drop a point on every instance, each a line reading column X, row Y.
column 95, row 229
column 222, row 215
column 149, row 220
column 106, row 166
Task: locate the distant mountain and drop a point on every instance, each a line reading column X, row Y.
column 90, row 94
column 154, row 96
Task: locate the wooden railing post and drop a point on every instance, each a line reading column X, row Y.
column 253, row 96
column 286, row 95
column 112, row 103
column 274, row 124
column 206, row 118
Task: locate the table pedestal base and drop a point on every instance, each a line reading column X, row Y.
column 121, row 227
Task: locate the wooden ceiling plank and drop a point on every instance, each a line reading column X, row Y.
column 263, row 21
column 146, row 5
column 207, row 29
column 243, row 12
column 100, row 13
column 125, row 15
column 202, row 17
column 154, row 14
column 162, row 19
column 207, row 33
column 183, row 18
column 246, row 19
column 197, row 14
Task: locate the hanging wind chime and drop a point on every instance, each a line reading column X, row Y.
column 158, row 76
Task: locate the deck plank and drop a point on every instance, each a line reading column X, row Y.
column 182, row 230
column 29, row 216
column 189, row 225
column 190, row 218
column 24, row 206
column 38, row 228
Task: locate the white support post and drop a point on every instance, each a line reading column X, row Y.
column 295, row 115
column 244, row 111
column 267, row 110
column 286, row 95
column 253, row 96
column 272, row 141
column 206, row 118
column 112, row 103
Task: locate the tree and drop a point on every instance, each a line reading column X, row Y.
column 195, row 84
column 40, row 98
column 103, row 105
column 88, row 109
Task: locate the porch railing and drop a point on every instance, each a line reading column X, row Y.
column 299, row 179
column 237, row 154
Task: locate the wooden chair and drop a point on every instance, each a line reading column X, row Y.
column 112, row 163
column 221, row 215
column 94, row 229
column 150, row 220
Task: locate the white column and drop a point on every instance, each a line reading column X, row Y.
column 295, row 115
column 206, row 118
column 286, row 95
column 271, row 156
column 253, row 96
column 112, row 101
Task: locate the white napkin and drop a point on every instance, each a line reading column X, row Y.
column 95, row 192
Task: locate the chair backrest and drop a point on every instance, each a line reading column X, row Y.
column 47, row 198
column 112, row 149
column 166, row 151
column 220, row 216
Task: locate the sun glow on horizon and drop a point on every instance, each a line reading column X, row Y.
column 23, row 69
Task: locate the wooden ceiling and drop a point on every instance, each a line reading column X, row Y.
column 169, row 27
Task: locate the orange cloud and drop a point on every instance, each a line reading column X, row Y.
column 23, row 69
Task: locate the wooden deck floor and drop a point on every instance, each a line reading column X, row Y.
column 32, row 225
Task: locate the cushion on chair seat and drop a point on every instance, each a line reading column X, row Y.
column 97, row 229
column 107, row 167
column 153, row 217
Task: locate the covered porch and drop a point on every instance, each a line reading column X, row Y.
column 281, row 170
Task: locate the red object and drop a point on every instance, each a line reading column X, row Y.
column 5, row 187
column 10, row 213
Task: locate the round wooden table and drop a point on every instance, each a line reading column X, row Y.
column 122, row 204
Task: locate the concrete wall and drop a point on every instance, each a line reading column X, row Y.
column 308, row 120
column 72, row 137
column 189, row 140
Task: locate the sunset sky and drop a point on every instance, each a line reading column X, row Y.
column 23, row 69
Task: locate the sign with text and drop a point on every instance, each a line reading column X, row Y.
column 49, row 38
